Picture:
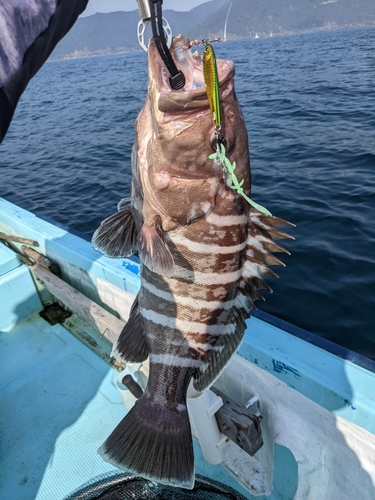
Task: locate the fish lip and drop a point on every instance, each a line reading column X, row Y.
column 160, row 75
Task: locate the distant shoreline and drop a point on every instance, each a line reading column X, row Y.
column 107, row 52
column 85, row 55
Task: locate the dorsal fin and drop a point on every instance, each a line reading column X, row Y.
column 227, row 344
column 260, row 244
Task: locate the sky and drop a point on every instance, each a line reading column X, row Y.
column 116, row 5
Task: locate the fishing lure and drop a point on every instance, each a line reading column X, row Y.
column 231, row 179
column 211, row 80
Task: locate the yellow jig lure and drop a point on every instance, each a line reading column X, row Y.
column 212, row 82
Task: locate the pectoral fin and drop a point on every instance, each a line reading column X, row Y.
column 153, row 250
column 117, row 235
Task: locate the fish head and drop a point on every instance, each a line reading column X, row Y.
column 192, row 97
column 187, row 105
column 181, row 137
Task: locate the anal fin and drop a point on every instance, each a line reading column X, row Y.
column 132, row 346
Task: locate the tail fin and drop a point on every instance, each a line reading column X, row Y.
column 154, row 442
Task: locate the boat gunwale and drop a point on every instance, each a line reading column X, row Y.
column 317, row 341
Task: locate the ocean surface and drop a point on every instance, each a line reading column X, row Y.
column 309, row 104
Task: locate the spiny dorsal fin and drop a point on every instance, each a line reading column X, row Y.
column 261, row 284
column 252, row 291
column 263, row 257
column 117, row 235
column 258, row 270
column 273, row 247
column 276, row 234
column 270, row 220
column 260, row 244
column 261, row 233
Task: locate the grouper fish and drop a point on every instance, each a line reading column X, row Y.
column 204, row 255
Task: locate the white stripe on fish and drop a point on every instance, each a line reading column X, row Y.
column 188, row 301
column 193, row 344
column 206, row 248
column 209, row 278
column 226, row 220
column 190, row 327
column 171, row 360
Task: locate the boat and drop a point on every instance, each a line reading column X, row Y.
column 311, row 434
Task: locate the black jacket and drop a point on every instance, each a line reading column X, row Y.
column 29, row 31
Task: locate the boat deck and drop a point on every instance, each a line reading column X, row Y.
column 55, row 395
column 57, row 406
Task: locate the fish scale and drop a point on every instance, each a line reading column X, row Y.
column 204, row 255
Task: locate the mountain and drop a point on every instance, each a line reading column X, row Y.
column 116, row 32
column 265, row 17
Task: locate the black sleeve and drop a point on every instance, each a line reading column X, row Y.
column 29, row 31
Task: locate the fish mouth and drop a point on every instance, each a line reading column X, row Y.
column 193, row 94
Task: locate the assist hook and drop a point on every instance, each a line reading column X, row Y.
column 150, row 10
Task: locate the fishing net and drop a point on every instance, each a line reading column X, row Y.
column 123, row 486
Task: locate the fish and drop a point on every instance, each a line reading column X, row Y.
column 205, row 254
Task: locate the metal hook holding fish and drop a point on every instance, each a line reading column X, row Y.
column 151, row 11
column 145, row 15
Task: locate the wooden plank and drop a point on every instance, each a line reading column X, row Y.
column 108, row 325
column 239, row 424
column 18, row 239
column 37, row 257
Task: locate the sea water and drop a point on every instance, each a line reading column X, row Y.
column 309, row 106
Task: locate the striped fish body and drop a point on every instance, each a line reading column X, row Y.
column 204, row 255
column 192, row 317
